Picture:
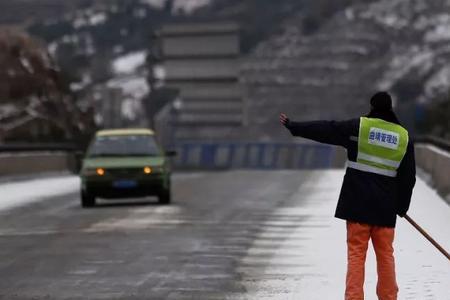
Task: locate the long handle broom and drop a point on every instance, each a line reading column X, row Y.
column 427, row 236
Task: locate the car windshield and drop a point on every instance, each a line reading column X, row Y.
column 124, row 145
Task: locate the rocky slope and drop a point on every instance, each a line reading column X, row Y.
column 402, row 46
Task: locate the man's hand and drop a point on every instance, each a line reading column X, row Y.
column 284, row 120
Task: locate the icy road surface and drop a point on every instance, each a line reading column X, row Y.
column 228, row 235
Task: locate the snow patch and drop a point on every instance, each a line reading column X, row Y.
column 350, row 14
column 78, row 86
column 187, row 6
column 440, row 32
column 52, row 48
column 155, row 3
column 87, row 19
column 15, row 194
column 439, row 83
column 97, row 19
column 129, row 63
column 26, row 64
column 8, row 110
column 135, row 86
column 79, row 22
column 130, row 108
column 159, row 72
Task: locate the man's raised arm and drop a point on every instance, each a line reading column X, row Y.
column 328, row 132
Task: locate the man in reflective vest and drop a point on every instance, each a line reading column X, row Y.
column 377, row 187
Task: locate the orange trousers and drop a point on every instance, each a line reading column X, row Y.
column 358, row 236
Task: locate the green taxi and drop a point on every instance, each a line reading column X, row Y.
column 123, row 163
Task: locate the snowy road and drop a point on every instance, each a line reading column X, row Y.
column 310, row 262
column 248, row 235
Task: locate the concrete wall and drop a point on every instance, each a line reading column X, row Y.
column 207, row 90
column 201, row 45
column 436, row 163
column 28, row 163
column 208, row 28
column 193, row 69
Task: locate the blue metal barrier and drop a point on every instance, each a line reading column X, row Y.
column 251, row 155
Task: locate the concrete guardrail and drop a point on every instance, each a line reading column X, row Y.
column 25, row 163
column 435, row 162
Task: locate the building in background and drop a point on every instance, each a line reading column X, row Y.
column 202, row 61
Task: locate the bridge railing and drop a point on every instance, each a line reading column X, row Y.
column 255, row 155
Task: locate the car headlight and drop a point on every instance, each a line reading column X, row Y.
column 93, row 172
column 153, row 169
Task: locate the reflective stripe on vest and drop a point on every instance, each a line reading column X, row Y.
column 381, row 147
column 367, row 168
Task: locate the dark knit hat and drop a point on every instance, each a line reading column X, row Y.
column 381, row 101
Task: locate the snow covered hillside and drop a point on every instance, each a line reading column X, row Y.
column 402, row 46
column 419, row 37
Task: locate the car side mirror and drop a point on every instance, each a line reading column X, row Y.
column 171, row 153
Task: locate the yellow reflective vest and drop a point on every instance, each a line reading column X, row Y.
column 381, row 147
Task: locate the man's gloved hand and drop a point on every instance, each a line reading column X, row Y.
column 284, row 120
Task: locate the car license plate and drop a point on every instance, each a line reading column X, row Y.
column 124, row 184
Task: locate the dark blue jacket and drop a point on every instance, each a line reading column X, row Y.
column 365, row 197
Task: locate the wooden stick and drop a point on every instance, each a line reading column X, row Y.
column 427, row 236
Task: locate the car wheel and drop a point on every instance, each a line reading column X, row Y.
column 165, row 197
column 87, row 200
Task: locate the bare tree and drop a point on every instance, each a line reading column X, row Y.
column 30, row 82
